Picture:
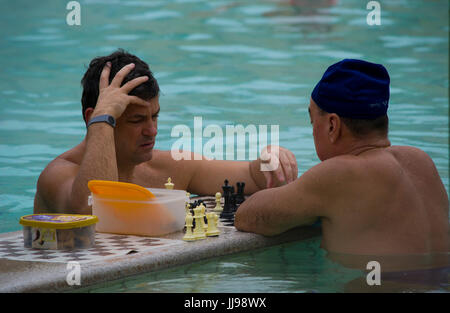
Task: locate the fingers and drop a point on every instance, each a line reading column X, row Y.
column 279, row 168
column 287, row 169
column 293, row 165
column 270, row 166
column 104, row 76
column 120, row 76
column 289, row 165
column 269, row 179
column 137, row 100
column 134, row 83
column 278, row 171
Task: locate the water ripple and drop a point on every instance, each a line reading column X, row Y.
column 239, row 49
column 152, row 15
column 30, row 149
column 408, row 41
column 316, row 19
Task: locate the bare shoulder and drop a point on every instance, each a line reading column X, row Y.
column 335, row 183
column 420, row 166
column 329, row 180
column 408, row 151
column 411, row 153
column 333, row 170
column 54, row 183
column 68, row 161
column 416, row 161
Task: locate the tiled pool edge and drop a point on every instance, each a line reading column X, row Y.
column 23, row 276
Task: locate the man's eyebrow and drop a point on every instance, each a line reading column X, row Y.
column 309, row 111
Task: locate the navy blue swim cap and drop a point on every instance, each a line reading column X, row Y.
column 353, row 88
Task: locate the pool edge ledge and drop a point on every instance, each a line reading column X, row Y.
column 24, row 276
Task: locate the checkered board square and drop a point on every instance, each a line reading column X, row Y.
column 106, row 246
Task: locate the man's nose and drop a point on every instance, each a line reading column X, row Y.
column 150, row 129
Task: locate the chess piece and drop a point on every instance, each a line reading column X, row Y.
column 240, row 193
column 188, row 207
column 212, row 224
column 233, row 199
column 189, row 236
column 169, row 184
column 218, row 207
column 188, row 197
column 199, row 230
column 203, row 209
column 227, row 191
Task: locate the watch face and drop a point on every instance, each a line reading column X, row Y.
column 111, row 120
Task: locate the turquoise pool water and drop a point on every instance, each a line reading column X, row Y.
column 298, row 267
column 230, row 62
column 294, row 267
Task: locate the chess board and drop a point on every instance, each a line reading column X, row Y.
column 209, row 201
column 210, row 204
column 106, row 246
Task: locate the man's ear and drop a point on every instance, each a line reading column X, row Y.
column 334, row 130
column 87, row 114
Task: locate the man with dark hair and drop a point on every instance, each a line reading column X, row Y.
column 90, row 82
column 371, row 197
column 120, row 107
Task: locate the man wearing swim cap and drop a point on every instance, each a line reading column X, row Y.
column 120, row 107
column 371, row 197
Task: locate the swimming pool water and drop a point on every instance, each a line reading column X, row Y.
column 298, row 267
column 289, row 267
column 230, row 62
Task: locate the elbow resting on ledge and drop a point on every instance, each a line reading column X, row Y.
column 244, row 225
column 266, row 229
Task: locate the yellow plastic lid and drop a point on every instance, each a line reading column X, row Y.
column 58, row 221
column 119, row 190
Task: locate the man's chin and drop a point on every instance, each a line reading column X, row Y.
column 143, row 157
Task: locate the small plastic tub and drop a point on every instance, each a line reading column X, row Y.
column 58, row 231
column 161, row 215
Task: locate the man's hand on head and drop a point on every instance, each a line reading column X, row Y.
column 278, row 165
column 114, row 99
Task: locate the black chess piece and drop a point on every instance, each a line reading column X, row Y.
column 240, row 193
column 227, row 208
column 227, row 191
column 233, row 199
column 193, row 206
column 233, row 210
column 191, row 209
column 228, row 216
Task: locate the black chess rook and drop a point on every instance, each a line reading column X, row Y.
column 240, row 193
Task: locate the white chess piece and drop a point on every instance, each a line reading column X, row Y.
column 189, row 236
column 169, row 184
column 212, row 224
column 203, row 210
column 199, row 231
column 218, row 207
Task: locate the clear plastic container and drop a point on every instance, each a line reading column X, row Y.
column 161, row 215
column 58, row 231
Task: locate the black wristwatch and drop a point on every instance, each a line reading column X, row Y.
column 103, row 119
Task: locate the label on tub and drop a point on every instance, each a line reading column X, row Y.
column 43, row 238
